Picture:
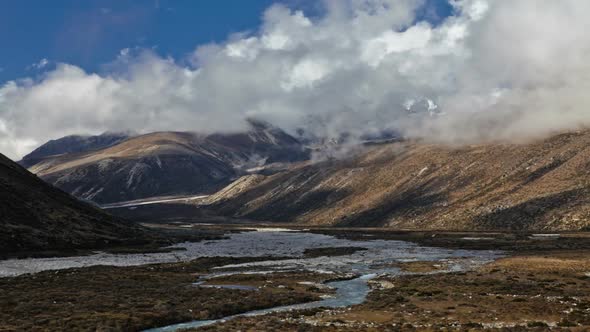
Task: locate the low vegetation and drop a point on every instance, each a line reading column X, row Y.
column 531, row 292
column 542, row 185
column 105, row 298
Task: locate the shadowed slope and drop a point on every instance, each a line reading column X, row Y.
column 36, row 216
column 543, row 185
column 167, row 163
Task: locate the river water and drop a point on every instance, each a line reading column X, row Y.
column 379, row 259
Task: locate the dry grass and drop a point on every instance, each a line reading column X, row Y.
column 541, row 185
column 519, row 293
column 134, row 298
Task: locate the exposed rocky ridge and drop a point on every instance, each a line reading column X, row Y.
column 73, row 144
column 544, row 185
column 37, row 216
column 235, row 189
column 167, row 163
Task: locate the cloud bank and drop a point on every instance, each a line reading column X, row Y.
column 493, row 70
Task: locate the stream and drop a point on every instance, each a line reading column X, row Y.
column 348, row 292
column 378, row 259
column 361, row 266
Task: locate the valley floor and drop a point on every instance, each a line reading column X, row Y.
column 532, row 292
column 542, row 282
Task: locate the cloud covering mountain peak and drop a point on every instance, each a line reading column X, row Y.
column 495, row 69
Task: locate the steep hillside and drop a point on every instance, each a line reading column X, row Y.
column 72, row 144
column 36, row 216
column 544, row 185
column 167, row 163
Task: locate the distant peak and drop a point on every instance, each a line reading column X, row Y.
column 259, row 124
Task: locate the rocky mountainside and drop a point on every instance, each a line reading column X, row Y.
column 543, row 185
column 37, row 216
column 73, row 144
column 168, row 163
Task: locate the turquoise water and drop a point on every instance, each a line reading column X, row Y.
column 362, row 266
column 348, row 292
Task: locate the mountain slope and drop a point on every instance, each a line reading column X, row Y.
column 72, row 144
column 36, row 216
column 544, row 185
column 167, row 163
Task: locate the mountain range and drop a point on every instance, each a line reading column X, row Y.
column 114, row 169
column 73, row 144
column 541, row 185
column 267, row 175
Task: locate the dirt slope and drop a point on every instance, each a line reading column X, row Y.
column 166, row 163
column 543, row 185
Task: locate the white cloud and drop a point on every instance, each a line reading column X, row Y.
column 389, row 42
column 124, row 52
column 305, row 73
column 496, row 69
column 243, row 48
column 38, row 65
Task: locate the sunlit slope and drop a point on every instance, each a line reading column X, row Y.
column 543, row 185
column 166, row 163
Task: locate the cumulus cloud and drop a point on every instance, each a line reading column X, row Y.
column 493, row 70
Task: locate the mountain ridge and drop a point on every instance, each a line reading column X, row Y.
column 73, row 144
column 167, row 163
column 543, row 185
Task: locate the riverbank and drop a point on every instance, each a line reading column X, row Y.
column 542, row 291
column 541, row 281
column 106, row 298
column 515, row 242
column 277, row 268
column 163, row 237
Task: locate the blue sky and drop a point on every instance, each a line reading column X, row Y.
column 492, row 69
column 91, row 33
